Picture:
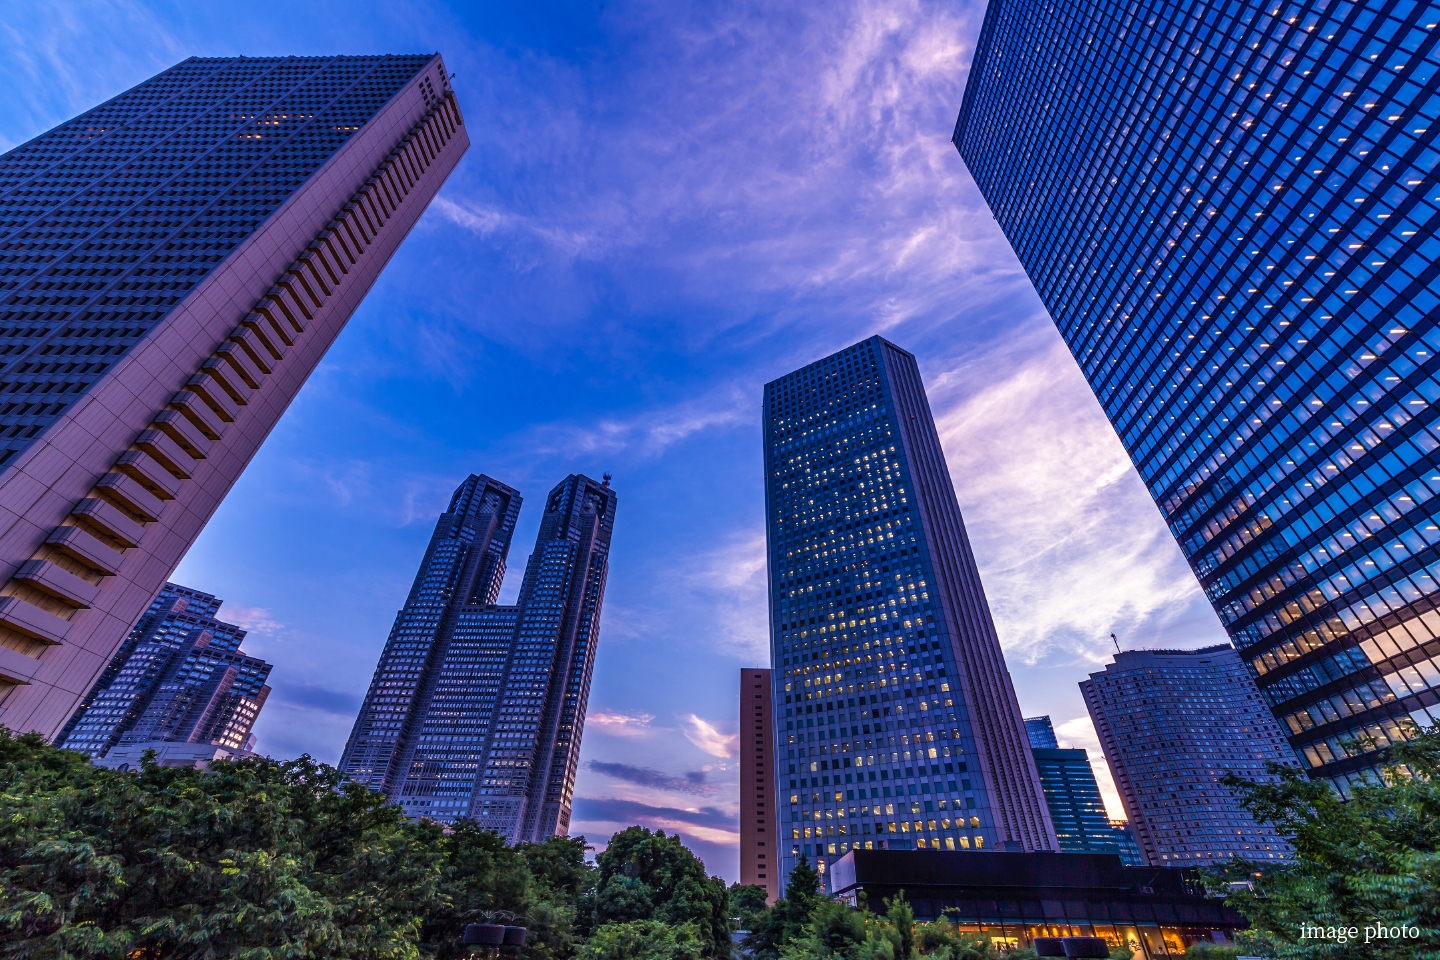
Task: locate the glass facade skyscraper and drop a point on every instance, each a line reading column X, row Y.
column 173, row 265
column 1072, row 793
column 1041, row 733
column 476, row 708
column 180, row 676
column 1229, row 211
column 896, row 722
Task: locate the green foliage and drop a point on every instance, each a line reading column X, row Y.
column 804, row 882
column 945, row 941
column 807, row 926
column 1205, row 951
column 643, row 940
column 747, row 903
column 257, row 859
column 837, row 931
column 1374, row 860
column 902, row 918
column 649, row 876
column 787, row 918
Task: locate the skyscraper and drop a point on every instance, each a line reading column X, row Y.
column 759, row 848
column 476, row 709
column 1125, row 844
column 1041, row 733
column 179, row 677
column 173, row 264
column 901, row 724
column 1172, row 723
column 1228, row 209
column 1072, row 794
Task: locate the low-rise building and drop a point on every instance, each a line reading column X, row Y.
column 1012, row 898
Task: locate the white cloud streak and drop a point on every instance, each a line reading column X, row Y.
column 253, row 619
column 1068, row 540
column 708, row 737
column 620, row 724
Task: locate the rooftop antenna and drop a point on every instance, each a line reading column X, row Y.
column 1117, row 643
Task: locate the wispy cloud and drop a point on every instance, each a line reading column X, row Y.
column 693, row 781
column 704, row 735
column 730, row 581
column 620, row 724
column 802, row 185
column 488, row 221
column 253, row 619
column 63, row 52
column 1070, row 544
column 710, row 823
column 645, row 434
column 311, row 696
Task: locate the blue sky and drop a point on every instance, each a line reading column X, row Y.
column 664, row 206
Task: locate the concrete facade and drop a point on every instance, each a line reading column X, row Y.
column 98, row 507
column 759, row 842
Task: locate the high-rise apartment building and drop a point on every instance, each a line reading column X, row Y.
column 1071, row 793
column 900, row 720
column 759, row 852
column 1172, row 723
column 173, row 265
column 179, row 677
column 1229, row 211
column 476, row 708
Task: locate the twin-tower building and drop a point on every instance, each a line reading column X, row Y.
column 477, row 708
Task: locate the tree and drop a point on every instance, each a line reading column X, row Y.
column 480, row 875
column 259, row 859
column 1373, row 860
column 842, row 933
column 649, row 876
column 943, row 940
column 788, row 917
column 804, row 882
column 643, row 940
column 902, row 917
column 747, row 903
